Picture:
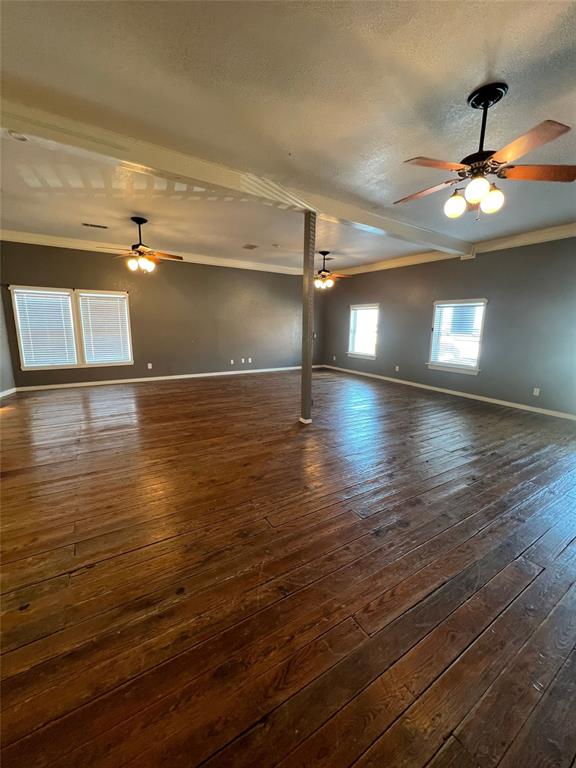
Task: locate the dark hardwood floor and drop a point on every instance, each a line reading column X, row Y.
column 190, row 577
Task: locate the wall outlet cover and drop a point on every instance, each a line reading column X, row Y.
column 231, row 362
column 397, row 368
column 536, row 391
column 243, row 360
column 249, row 359
column 149, row 366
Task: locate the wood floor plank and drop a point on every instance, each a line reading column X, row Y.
column 413, row 740
column 549, row 737
column 493, row 724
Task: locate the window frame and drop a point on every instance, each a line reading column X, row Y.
column 362, row 355
column 74, row 294
column 450, row 367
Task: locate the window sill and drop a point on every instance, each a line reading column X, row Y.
column 453, row 369
column 80, row 366
column 358, row 354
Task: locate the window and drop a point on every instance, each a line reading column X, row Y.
column 105, row 328
column 45, row 328
column 456, row 335
column 363, row 330
column 59, row 328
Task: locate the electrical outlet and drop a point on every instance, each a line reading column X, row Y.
column 397, row 368
column 249, row 359
column 243, row 361
column 536, row 391
column 231, row 362
column 149, row 366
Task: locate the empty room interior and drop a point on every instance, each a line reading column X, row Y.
column 288, row 384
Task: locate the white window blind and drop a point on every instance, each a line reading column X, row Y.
column 105, row 328
column 457, row 334
column 45, row 327
column 363, row 330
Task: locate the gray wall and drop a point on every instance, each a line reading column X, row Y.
column 529, row 331
column 185, row 318
column 6, row 374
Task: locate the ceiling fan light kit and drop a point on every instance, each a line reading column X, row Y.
column 324, row 277
column 479, row 192
column 141, row 258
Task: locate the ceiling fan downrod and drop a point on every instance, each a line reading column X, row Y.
column 483, row 98
column 139, row 221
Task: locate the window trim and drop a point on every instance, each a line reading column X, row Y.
column 362, row 355
column 451, row 367
column 74, row 294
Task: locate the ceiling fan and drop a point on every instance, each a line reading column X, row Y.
column 141, row 257
column 324, row 277
column 475, row 167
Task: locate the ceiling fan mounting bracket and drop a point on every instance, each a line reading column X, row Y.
column 487, row 95
column 139, row 220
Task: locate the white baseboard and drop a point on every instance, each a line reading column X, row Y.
column 71, row 385
column 494, row 401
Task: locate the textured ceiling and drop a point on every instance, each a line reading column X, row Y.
column 326, row 97
column 50, row 189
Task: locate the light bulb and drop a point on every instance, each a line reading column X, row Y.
column 318, row 283
column 151, row 266
column 493, row 201
column 329, row 283
column 132, row 264
column 142, row 263
column 324, row 285
column 455, row 205
column 477, row 190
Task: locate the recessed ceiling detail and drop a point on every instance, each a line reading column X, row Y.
column 186, row 218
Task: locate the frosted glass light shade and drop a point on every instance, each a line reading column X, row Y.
column 493, row 201
column 455, row 205
column 477, row 190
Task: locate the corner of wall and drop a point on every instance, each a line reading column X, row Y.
column 6, row 369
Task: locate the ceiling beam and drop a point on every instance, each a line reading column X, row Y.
column 335, row 210
column 547, row 235
column 145, row 157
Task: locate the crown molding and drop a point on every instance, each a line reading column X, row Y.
column 52, row 241
column 400, row 261
column 547, row 235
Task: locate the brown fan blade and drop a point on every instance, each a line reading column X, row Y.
column 541, row 134
column 338, row 275
column 429, row 191
column 540, row 172
column 162, row 255
column 429, row 162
